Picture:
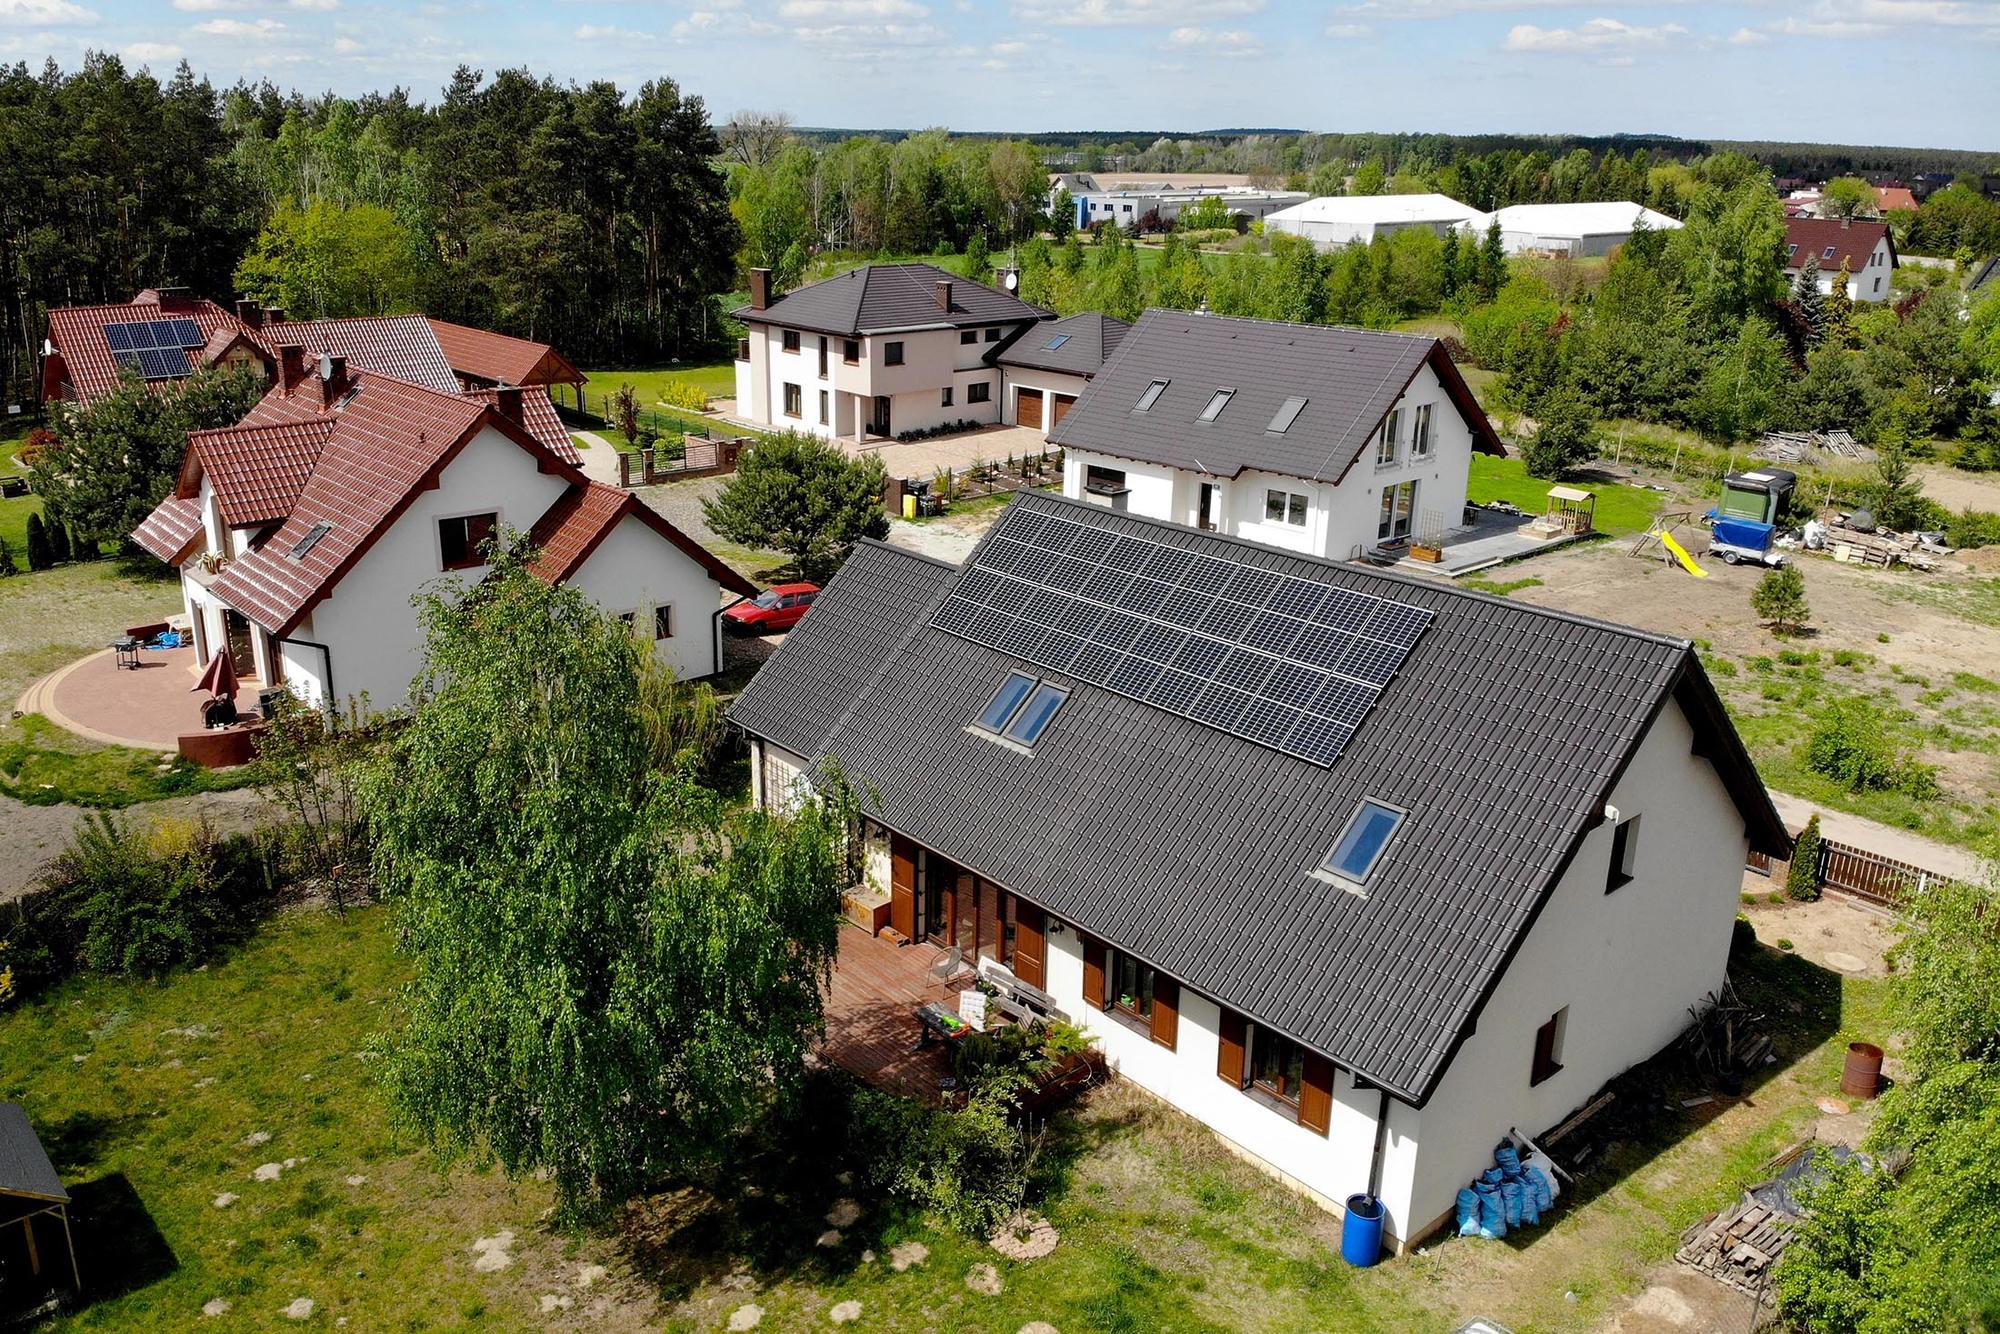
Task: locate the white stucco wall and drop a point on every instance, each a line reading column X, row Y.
column 932, row 359
column 1152, row 490
column 1050, row 383
column 636, row 569
column 1627, row 965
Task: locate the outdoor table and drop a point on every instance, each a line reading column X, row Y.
column 934, row 1021
column 127, row 649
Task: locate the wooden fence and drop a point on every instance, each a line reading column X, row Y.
column 1865, row 875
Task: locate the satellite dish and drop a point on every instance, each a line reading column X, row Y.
column 1012, row 280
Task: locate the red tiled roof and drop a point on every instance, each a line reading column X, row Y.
column 398, row 345
column 1891, row 198
column 77, row 333
column 1833, row 241
column 573, row 527
column 174, row 523
column 538, row 411
column 258, row 470
column 498, row 358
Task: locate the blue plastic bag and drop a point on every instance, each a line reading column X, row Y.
column 1492, row 1214
column 1468, row 1213
column 1510, row 1202
column 1538, row 1185
column 1509, row 1160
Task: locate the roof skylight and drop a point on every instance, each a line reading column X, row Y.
column 311, row 539
column 1055, row 342
column 1361, row 844
column 1288, row 412
column 1150, row 397
column 1216, row 403
column 1021, row 708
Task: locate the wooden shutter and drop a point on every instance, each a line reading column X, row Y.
column 1166, row 1010
column 903, row 886
column 1229, row 1053
column 1028, row 956
column 1316, row 1093
column 1093, row 972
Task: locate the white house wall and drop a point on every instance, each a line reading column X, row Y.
column 932, row 360
column 636, row 569
column 368, row 619
column 1627, row 965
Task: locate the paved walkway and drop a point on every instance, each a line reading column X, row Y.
column 1874, row 836
column 145, row 709
column 600, row 457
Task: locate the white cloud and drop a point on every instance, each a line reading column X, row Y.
column 1747, row 37
column 604, row 32
column 346, row 46
column 242, row 6
column 44, row 13
column 1348, row 31
column 1439, row 9
column 708, row 21
column 260, row 30
column 151, row 53
column 1131, row 13
column 1599, row 35
column 1208, row 42
column 1872, row 18
column 851, row 10
column 870, row 41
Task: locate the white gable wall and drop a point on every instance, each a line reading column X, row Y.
column 1627, row 965
column 636, row 569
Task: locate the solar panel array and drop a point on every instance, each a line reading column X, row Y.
column 1281, row 661
column 157, row 349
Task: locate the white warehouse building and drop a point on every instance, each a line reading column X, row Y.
column 1576, row 230
column 1334, row 222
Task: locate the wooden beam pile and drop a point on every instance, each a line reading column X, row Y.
column 1737, row 1246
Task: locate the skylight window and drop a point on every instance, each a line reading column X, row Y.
column 1362, row 842
column 311, row 539
column 1055, row 342
column 1288, row 412
column 1150, row 397
column 1216, row 403
column 1021, row 709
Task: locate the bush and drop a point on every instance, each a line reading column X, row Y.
column 1565, row 436
column 1972, row 528
column 1856, row 745
column 1780, row 599
column 1802, row 876
column 681, row 394
column 968, row 1166
column 1742, row 936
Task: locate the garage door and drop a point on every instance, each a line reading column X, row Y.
column 1028, row 408
column 1063, row 403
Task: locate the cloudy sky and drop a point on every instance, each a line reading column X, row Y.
column 1907, row 72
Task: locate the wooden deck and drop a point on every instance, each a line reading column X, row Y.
column 871, row 1014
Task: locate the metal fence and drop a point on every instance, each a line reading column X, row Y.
column 693, row 458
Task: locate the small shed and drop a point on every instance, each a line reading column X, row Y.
column 30, row 1188
column 1572, row 512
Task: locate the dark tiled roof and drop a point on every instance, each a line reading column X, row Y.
column 174, row 522
column 1191, row 848
column 880, row 297
column 1852, row 242
column 1088, row 339
column 24, row 1165
column 841, row 642
column 1349, row 377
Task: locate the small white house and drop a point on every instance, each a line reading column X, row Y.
column 1866, row 248
column 1577, row 230
column 877, row 351
column 1361, row 872
column 1333, row 222
column 1316, row 438
column 302, row 534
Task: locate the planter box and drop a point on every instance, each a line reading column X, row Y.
column 1064, row 1082
column 1431, row 554
column 866, row 909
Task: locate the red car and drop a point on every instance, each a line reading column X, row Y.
column 778, row 607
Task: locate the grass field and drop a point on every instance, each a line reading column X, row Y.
column 160, row 1099
column 14, row 511
column 1621, row 509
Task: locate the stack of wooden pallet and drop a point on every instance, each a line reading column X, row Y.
column 1737, row 1246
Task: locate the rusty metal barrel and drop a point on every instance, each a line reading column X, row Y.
column 1861, row 1077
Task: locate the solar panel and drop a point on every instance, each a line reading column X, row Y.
column 162, row 363
column 187, row 333
column 118, row 337
column 1280, row 661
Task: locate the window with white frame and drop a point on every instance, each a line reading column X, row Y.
column 1285, row 507
column 1392, row 432
column 1420, row 432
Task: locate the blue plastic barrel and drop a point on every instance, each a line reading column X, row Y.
column 1361, row 1231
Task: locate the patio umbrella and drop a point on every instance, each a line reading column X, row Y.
column 218, row 678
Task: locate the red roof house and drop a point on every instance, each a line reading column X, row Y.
column 1866, row 248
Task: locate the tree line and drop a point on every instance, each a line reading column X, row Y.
column 585, row 216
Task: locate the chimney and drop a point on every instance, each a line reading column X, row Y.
column 760, row 288
column 249, row 314
column 274, row 314
column 944, row 296
column 291, row 366
column 1844, row 222
column 174, row 298
column 332, row 377
column 507, row 398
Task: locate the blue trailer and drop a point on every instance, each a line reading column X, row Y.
column 1739, row 540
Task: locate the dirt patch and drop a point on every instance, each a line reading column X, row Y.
column 1675, row 1301
column 1957, row 490
column 1821, row 930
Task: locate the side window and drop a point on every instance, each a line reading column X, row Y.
column 663, row 621
column 980, row 392
column 461, row 540
column 1624, row 850
column 794, row 400
column 892, row 354
column 1549, row 1048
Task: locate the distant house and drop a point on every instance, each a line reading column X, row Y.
column 1047, row 371
column 1316, row 438
column 1335, row 222
column 302, row 533
column 1363, row 873
column 880, row 349
column 1576, row 230
column 1865, row 247
column 1894, row 199
column 1129, row 198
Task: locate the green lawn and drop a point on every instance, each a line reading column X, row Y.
column 14, row 511
column 150, row 1094
column 1621, row 509
column 717, row 379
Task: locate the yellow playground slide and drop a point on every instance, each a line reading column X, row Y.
column 1680, row 553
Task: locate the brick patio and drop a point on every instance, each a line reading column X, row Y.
column 871, row 1014
column 147, row 708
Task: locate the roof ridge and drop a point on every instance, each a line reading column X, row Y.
column 1169, row 312
column 1391, row 576
column 906, row 551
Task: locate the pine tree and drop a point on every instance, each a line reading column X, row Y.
column 1810, row 302
column 1492, row 262
column 1802, row 876
column 1840, row 311
column 38, row 544
column 59, row 550
column 1449, row 262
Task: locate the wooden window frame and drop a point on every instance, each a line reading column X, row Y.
column 825, row 409
column 795, row 400
column 469, row 557
column 788, row 341
column 1277, row 1090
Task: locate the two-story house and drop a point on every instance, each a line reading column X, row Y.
column 302, row 533
column 1320, row 439
column 1866, row 248
column 1361, row 871
column 878, row 350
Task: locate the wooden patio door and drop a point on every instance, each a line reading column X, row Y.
column 903, row 886
column 1030, row 958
